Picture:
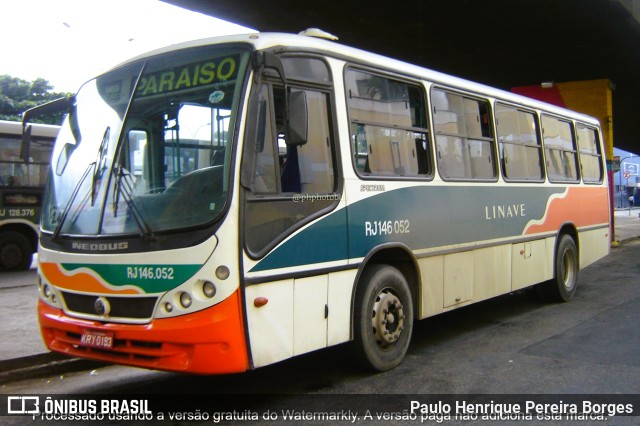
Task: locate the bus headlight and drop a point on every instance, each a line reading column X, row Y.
column 222, row 272
column 208, row 289
column 47, row 293
column 185, row 299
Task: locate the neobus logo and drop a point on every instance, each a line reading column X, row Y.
column 100, row 246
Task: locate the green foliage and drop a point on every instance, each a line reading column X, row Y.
column 17, row 96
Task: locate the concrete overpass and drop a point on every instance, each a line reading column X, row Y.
column 503, row 43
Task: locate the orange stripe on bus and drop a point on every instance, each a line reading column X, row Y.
column 80, row 281
column 585, row 206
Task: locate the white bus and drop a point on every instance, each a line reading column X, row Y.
column 225, row 204
column 23, row 170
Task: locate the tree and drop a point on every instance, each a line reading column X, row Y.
column 17, row 96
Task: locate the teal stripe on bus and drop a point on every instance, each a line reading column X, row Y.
column 421, row 217
column 323, row 241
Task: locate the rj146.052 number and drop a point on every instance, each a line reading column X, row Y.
column 386, row 227
column 150, row 273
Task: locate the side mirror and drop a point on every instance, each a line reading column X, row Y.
column 263, row 60
column 298, row 125
column 25, row 146
column 57, row 105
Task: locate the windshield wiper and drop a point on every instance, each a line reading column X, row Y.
column 100, row 165
column 67, row 207
column 124, row 185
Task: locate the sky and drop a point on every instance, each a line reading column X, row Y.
column 68, row 42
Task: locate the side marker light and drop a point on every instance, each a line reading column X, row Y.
column 259, row 302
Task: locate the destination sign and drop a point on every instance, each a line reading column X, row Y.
column 188, row 76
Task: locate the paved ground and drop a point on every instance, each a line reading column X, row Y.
column 22, row 347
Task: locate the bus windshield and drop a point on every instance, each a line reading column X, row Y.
column 146, row 147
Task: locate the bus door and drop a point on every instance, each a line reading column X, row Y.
column 294, row 223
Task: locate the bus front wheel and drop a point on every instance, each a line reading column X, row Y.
column 15, row 252
column 383, row 318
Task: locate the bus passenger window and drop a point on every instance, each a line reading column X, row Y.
column 464, row 141
column 590, row 155
column 560, row 150
column 388, row 126
column 520, row 148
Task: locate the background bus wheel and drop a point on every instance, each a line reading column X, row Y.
column 15, row 252
column 383, row 318
column 563, row 286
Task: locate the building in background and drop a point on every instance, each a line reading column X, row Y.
column 626, row 178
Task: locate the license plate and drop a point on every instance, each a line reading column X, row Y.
column 97, row 339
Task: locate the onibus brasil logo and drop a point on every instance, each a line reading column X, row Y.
column 79, row 409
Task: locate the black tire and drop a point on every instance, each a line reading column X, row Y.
column 383, row 318
column 563, row 286
column 16, row 252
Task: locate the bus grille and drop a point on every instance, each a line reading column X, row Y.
column 121, row 307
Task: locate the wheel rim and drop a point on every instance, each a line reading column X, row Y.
column 387, row 318
column 569, row 269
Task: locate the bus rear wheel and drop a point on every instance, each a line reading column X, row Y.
column 15, row 252
column 563, row 286
column 383, row 318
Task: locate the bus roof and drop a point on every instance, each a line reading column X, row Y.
column 293, row 42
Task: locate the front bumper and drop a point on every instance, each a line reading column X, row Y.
column 211, row 341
